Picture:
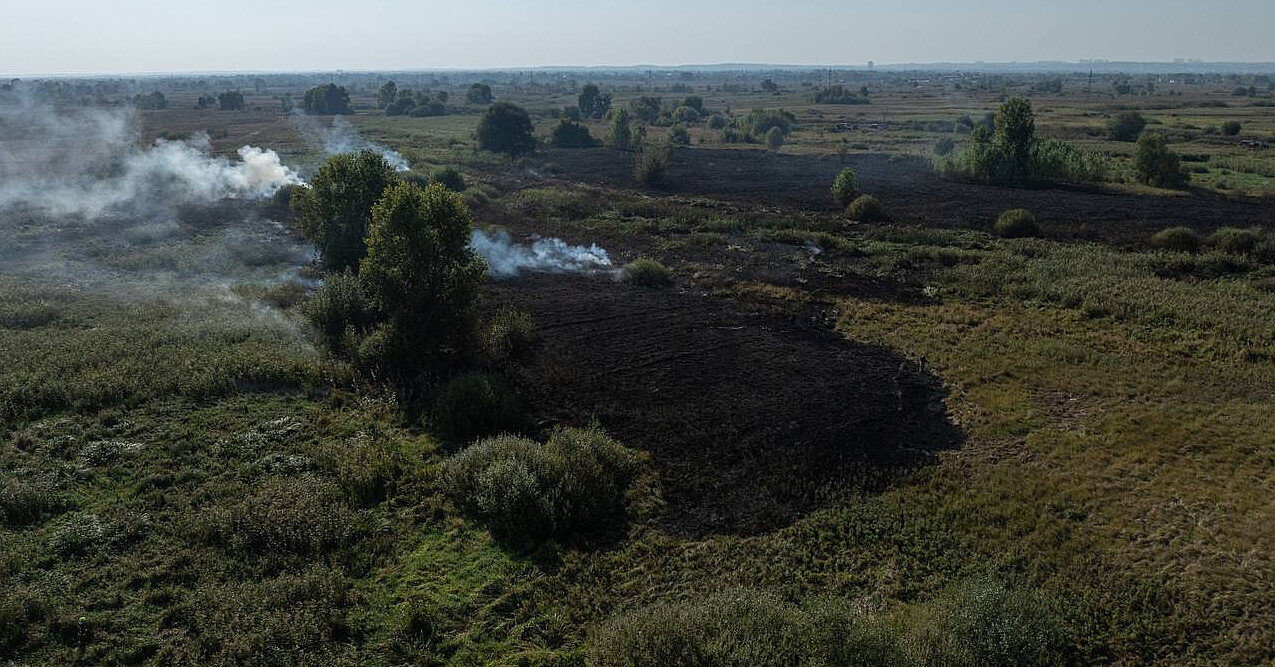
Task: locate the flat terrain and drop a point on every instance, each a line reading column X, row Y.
column 877, row 414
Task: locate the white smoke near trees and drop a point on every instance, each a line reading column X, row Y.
column 506, row 259
column 342, row 137
column 87, row 162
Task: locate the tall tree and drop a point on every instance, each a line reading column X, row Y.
column 335, row 210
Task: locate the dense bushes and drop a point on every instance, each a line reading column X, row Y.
column 326, row 99
column 845, row 188
column 574, row 484
column 1232, row 128
column 475, row 404
column 1126, row 126
column 506, row 128
column 339, row 310
column 1236, row 240
column 620, row 134
column 866, row 208
column 759, row 121
column 479, row 93
column 448, row 177
column 976, row 624
column 568, row 134
column 510, row 335
column 1156, row 165
column 838, row 94
column 1181, row 239
column 646, row 271
column 1012, row 154
column 1016, row 223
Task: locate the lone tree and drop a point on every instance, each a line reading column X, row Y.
column 479, row 93
column 387, row 95
column 326, row 99
column 592, row 102
column 775, row 139
column 571, row 135
column 506, row 128
column 230, row 101
column 335, row 210
column 421, row 275
column 620, row 135
column 1016, row 133
column 1156, row 165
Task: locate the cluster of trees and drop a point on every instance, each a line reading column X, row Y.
column 405, row 102
column 838, row 94
column 506, row 128
column 151, row 102
column 1153, row 163
column 479, row 93
column 228, row 101
column 592, row 102
column 326, row 99
column 398, row 297
column 1012, row 153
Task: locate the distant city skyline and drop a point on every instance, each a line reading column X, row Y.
column 157, row 36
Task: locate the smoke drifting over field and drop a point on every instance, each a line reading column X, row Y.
column 342, row 137
column 86, row 162
column 506, row 259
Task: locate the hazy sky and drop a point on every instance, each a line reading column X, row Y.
column 101, row 36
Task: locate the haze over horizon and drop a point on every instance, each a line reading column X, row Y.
column 151, row 36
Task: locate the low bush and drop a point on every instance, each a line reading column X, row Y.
column 1016, row 223
column 1181, row 239
column 974, row 624
column 574, row 484
column 866, row 208
column 652, row 163
column 1232, row 128
column 716, row 121
column 448, row 177
column 25, row 502
column 1156, row 165
column 845, row 188
column 569, row 134
column 1236, row 240
column 646, row 271
column 476, row 404
column 297, row 516
column 678, row 135
column 510, row 335
column 339, row 311
column 1126, row 126
column 944, row 147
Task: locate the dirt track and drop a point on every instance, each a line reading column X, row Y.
column 913, row 193
column 752, row 419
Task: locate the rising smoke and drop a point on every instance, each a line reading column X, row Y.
column 342, row 137
column 506, row 259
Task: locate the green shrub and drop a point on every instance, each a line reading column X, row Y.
column 476, row 404
column 1156, row 165
column 646, row 271
column 506, row 128
column 1236, row 240
column 774, row 139
column 1231, row 128
column 679, row 136
column 716, row 121
column 1126, row 126
column 299, row 516
column 568, row 134
column 652, row 163
column 866, row 208
column 984, row 624
column 574, row 484
column 28, row 501
column 339, row 310
column 367, row 466
column 510, row 335
column 759, row 121
column 1016, row 223
column 1006, row 150
column 944, row 146
column 1181, row 239
column 620, row 134
column 845, row 188
column 448, row 177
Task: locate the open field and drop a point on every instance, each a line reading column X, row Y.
column 971, row 449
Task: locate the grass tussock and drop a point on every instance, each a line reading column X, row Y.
column 647, row 272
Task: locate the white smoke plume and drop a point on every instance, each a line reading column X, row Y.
column 87, row 162
column 342, row 137
column 506, row 259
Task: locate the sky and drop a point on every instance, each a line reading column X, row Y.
column 152, row 36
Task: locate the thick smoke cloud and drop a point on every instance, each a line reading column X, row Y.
column 342, row 137
column 506, row 259
column 86, row 162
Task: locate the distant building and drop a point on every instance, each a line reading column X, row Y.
column 871, row 64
